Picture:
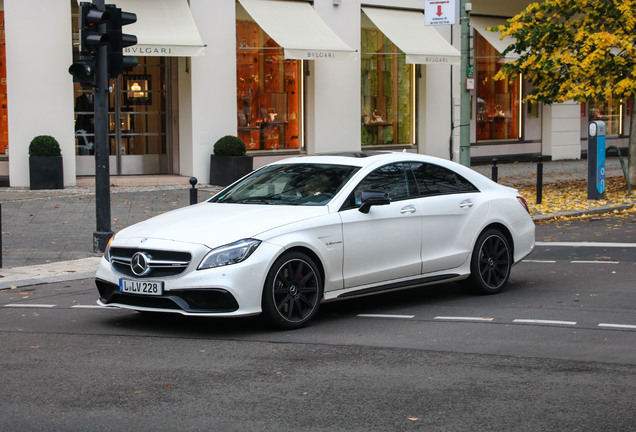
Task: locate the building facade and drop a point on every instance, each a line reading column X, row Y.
column 286, row 76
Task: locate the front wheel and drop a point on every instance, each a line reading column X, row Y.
column 292, row 291
column 490, row 263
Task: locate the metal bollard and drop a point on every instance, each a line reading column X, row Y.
column 540, row 180
column 193, row 191
column 495, row 170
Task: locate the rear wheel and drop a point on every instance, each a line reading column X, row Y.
column 490, row 263
column 292, row 291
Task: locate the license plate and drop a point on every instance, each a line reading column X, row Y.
column 152, row 288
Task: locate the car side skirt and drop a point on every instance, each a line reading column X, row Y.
column 393, row 286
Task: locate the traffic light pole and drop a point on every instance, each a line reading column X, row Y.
column 103, row 231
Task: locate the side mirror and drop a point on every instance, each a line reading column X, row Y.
column 373, row 198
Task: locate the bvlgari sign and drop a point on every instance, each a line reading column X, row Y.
column 309, row 54
column 439, row 12
column 164, row 50
column 148, row 51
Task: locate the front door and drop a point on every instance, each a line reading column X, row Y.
column 138, row 111
column 384, row 244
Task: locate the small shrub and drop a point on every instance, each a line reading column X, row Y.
column 230, row 145
column 44, row 145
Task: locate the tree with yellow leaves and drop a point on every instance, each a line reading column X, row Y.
column 580, row 50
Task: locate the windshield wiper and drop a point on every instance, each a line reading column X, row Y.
column 255, row 201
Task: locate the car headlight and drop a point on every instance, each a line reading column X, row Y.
column 107, row 249
column 232, row 253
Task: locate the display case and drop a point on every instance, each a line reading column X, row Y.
column 377, row 128
column 263, row 120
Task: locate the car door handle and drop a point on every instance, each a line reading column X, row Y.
column 466, row 204
column 408, row 209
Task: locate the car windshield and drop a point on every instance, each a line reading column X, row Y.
column 289, row 184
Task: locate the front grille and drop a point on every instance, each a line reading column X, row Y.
column 162, row 263
column 208, row 300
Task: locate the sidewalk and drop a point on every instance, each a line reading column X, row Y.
column 48, row 235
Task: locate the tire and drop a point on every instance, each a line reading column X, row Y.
column 490, row 263
column 292, row 292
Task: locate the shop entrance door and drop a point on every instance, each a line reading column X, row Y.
column 138, row 119
column 139, row 135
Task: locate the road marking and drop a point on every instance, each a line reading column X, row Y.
column 540, row 261
column 587, row 244
column 594, row 262
column 620, row 326
column 536, row 321
column 392, row 316
column 29, row 305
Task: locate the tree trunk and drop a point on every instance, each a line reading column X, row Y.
column 631, row 167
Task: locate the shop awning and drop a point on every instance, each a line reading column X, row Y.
column 164, row 28
column 422, row 44
column 480, row 24
column 298, row 29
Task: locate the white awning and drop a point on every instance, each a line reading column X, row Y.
column 422, row 44
column 480, row 24
column 164, row 28
column 298, row 29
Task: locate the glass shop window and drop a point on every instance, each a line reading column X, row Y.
column 611, row 112
column 497, row 101
column 268, row 91
column 388, row 90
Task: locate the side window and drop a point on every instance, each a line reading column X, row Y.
column 391, row 179
column 436, row 180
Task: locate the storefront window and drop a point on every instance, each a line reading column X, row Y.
column 611, row 112
column 387, row 92
column 497, row 101
column 268, row 91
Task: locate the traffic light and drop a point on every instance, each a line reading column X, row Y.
column 118, row 63
column 83, row 70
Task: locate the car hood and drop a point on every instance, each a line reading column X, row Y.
column 215, row 224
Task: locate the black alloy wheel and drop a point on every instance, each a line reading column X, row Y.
column 490, row 263
column 293, row 290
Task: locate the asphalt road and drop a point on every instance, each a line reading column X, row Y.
column 556, row 351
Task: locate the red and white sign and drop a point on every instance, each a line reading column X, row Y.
column 441, row 12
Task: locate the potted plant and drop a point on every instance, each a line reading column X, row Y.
column 45, row 163
column 229, row 161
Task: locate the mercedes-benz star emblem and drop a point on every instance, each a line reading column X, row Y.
column 140, row 264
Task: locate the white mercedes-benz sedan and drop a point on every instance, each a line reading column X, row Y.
column 312, row 229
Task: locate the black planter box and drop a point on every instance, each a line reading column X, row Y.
column 225, row 170
column 46, row 172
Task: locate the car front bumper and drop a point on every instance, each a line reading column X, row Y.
column 232, row 290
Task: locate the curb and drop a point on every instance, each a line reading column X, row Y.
column 572, row 213
column 46, row 273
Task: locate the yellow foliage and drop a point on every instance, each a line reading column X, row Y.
column 572, row 195
column 592, row 42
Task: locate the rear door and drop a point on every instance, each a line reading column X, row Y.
column 451, row 210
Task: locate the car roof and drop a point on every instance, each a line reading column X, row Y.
column 364, row 159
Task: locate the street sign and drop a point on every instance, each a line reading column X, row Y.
column 441, row 12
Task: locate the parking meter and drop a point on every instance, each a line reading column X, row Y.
column 595, row 160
